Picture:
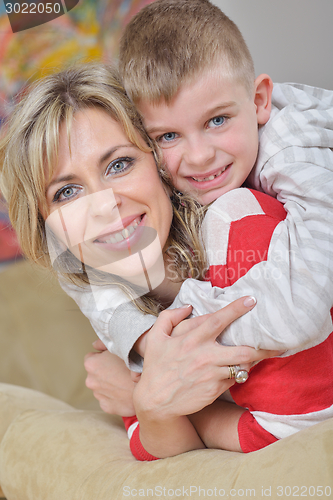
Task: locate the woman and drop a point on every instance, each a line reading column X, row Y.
column 84, row 193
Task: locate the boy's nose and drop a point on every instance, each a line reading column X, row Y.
column 199, row 152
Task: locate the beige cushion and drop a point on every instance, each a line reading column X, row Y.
column 44, row 336
column 14, row 400
column 68, row 454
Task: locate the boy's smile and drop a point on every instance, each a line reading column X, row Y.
column 209, row 133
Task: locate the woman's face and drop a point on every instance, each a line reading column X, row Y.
column 106, row 201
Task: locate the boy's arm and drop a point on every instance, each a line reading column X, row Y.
column 295, row 164
column 165, row 440
column 293, row 287
column 217, row 425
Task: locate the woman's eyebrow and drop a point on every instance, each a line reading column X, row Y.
column 58, row 180
column 109, row 153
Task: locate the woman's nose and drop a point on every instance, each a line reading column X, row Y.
column 101, row 203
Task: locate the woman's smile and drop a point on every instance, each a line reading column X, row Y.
column 114, row 236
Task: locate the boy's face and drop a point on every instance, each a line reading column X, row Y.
column 208, row 134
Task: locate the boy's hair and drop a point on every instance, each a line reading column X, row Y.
column 170, row 42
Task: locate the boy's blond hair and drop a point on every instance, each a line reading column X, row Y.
column 170, row 42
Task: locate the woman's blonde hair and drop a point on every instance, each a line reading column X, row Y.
column 28, row 156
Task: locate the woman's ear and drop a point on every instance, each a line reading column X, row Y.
column 263, row 98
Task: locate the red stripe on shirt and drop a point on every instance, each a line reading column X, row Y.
column 301, row 383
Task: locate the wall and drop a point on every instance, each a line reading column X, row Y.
column 291, row 40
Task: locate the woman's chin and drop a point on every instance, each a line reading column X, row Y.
column 144, row 269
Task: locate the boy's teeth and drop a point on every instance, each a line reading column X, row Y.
column 123, row 234
column 211, row 177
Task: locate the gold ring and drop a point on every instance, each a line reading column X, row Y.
column 232, row 371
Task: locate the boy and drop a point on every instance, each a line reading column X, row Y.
column 188, row 70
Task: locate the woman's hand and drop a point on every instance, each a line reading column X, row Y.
column 184, row 373
column 110, row 380
column 190, row 368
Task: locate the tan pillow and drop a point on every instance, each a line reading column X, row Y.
column 70, row 454
column 44, row 336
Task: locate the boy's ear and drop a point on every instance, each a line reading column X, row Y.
column 263, row 87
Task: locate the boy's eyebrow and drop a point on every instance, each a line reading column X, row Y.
column 101, row 160
column 220, row 108
column 215, row 109
column 224, row 106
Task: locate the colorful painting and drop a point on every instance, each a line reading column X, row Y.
column 89, row 32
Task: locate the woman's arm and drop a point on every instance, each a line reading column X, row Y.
column 182, row 375
column 111, row 313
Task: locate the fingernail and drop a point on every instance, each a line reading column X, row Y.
column 250, row 301
column 187, row 305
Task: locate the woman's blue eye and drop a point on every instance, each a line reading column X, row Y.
column 64, row 194
column 217, row 121
column 119, row 166
column 68, row 192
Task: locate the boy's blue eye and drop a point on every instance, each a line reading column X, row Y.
column 217, row 121
column 170, row 136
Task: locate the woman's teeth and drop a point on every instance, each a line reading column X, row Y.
column 122, row 235
column 211, row 177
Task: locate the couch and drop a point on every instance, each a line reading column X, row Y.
column 55, row 443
